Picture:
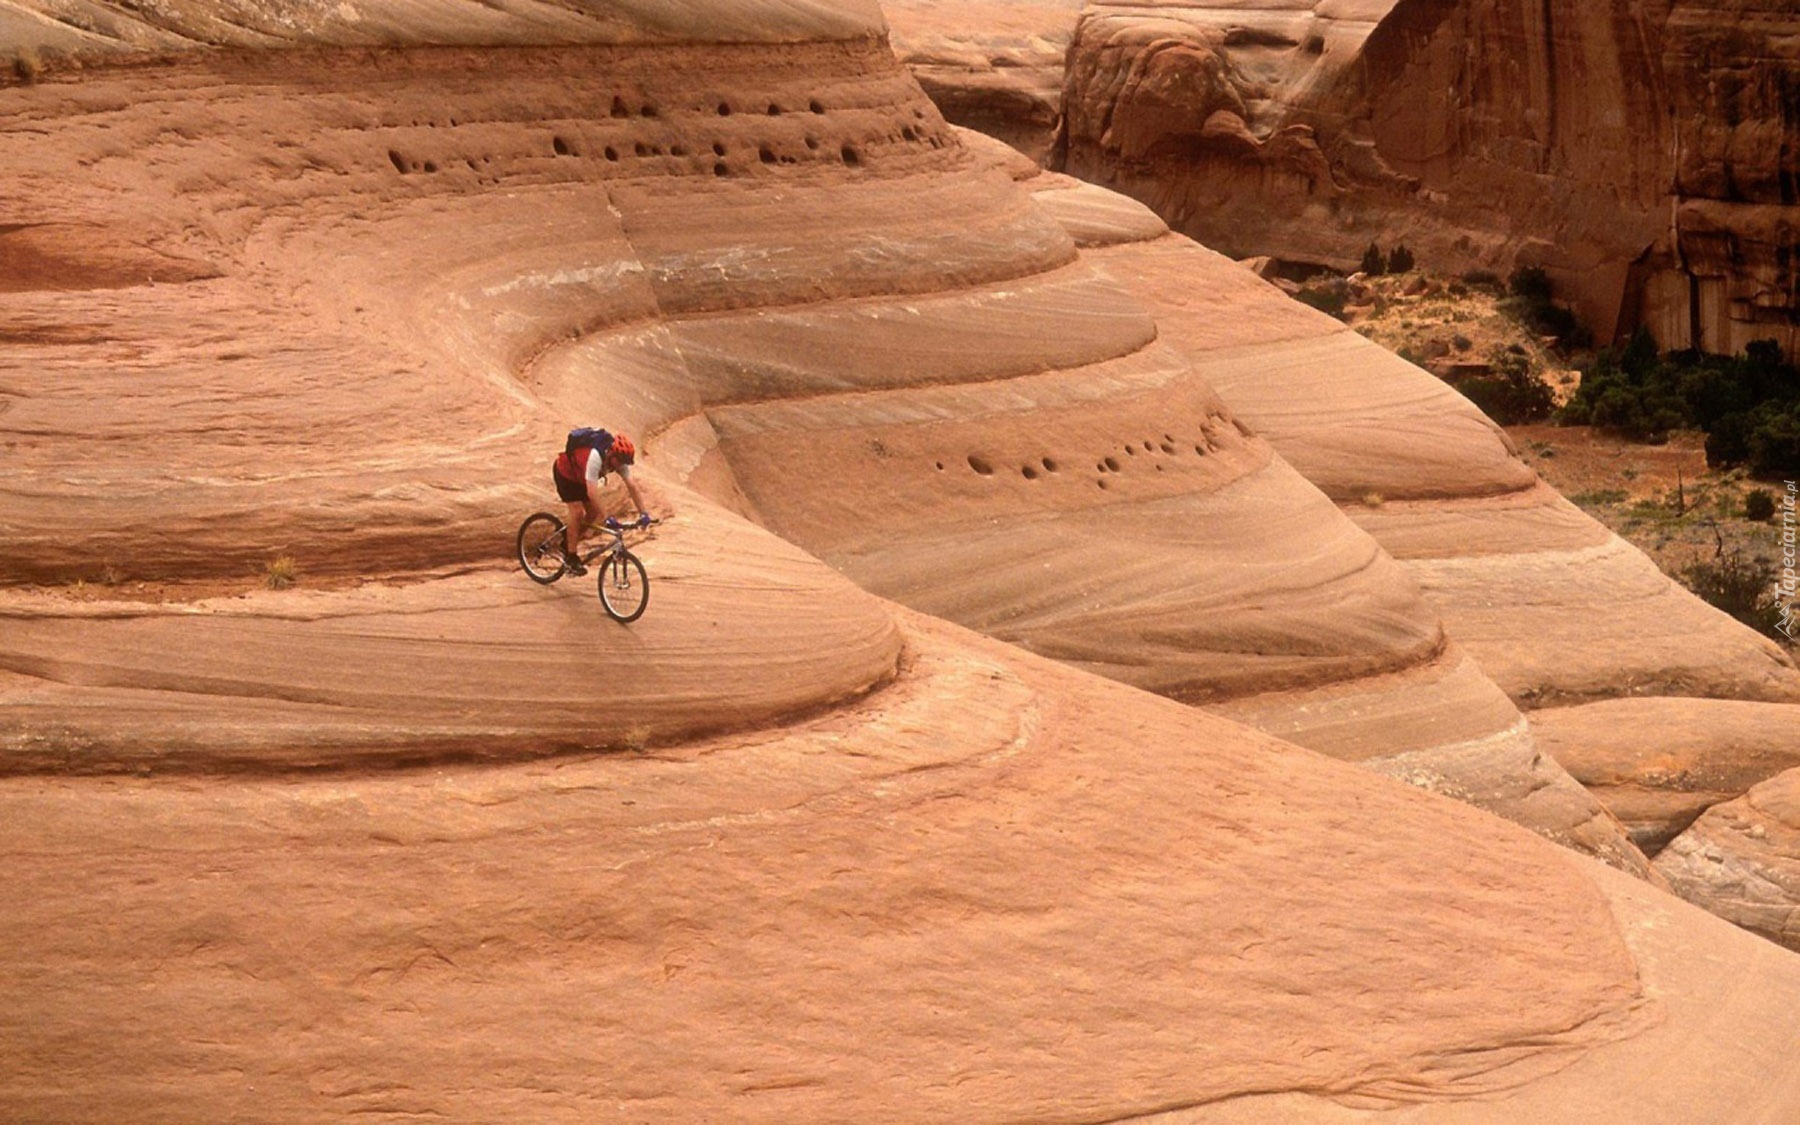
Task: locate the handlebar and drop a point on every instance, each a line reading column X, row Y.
column 610, row 523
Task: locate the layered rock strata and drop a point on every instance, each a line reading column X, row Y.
column 1554, row 607
column 947, row 412
column 1658, row 763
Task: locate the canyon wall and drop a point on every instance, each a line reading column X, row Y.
column 1645, row 155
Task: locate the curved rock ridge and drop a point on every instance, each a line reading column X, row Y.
column 1708, row 999
column 1551, row 605
column 91, row 29
column 293, row 377
column 1070, row 901
column 743, row 630
column 1499, row 555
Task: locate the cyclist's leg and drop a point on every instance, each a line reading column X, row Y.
column 573, row 494
column 576, row 524
column 595, row 513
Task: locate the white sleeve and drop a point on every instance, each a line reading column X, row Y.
column 593, row 466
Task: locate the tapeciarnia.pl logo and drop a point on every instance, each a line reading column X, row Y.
column 1787, row 587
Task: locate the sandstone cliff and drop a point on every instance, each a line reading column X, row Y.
column 1645, row 156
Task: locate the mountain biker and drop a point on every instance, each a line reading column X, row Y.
column 586, row 459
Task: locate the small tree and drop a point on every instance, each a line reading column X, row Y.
column 1373, row 264
column 1400, row 261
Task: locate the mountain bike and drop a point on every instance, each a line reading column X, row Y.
column 624, row 584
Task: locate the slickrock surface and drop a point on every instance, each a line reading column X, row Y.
column 997, row 889
column 1658, row 763
column 1646, row 158
column 1073, row 484
column 1703, row 967
column 1741, row 860
column 420, row 837
column 1549, row 603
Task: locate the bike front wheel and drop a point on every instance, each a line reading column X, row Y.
column 624, row 586
column 541, row 547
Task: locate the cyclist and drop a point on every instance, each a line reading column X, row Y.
column 586, row 459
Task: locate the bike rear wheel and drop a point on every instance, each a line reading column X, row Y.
column 541, row 547
column 624, row 586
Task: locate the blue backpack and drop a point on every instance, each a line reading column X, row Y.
column 584, row 435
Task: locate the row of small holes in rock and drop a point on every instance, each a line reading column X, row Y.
column 847, row 153
column 1030, row 470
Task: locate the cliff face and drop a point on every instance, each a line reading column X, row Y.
column 1646, row 155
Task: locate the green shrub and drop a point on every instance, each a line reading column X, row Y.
column 1531, row 283
column 1748, row 406
column 1399, row 261
column 1745, row 590
column 1511, row 393
column 1329, row 300
column 1759, row 505
column 1775, row 440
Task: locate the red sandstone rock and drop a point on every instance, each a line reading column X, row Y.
column 911, row 873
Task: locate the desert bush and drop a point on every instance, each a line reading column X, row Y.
column 1531, row 283
column 1400, row 260
column 281, row 572
column 1327, row 299
column 1759, row 505
column 1745, row 590
column 1511, row 393
column 1599, row 497
column 1533, row 304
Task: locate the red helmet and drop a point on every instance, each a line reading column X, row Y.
column 621, row 453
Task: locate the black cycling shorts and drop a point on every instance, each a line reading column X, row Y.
column 571, row 492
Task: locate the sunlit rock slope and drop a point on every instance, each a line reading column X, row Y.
column 752, row 268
